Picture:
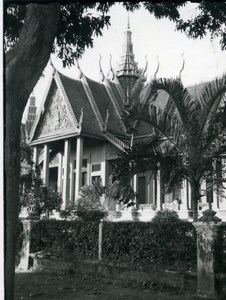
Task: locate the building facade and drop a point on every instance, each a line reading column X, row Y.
column 78, row 133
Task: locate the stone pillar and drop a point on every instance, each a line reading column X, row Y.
column 159, row 204
column 46, row 165
column 135, row 187
column 208, row 255
column 36, row 156
column 154, row 191
column 25, row 250
column 65, row 194
column 100, row 242
column 72, row 184
column 189, row 196
column 79, row 156
column 59, row 176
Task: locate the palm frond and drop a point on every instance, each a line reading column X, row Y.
column 210, row 98
column 179, row 96
column 168, row 126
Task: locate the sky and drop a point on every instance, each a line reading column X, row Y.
column 204, row 59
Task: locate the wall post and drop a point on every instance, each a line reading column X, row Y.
column 25, row 250
column 209, row 255
column 100, row 240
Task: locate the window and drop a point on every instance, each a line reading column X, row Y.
column 96, row 167
column 84, row 163
column 95, row 179
column 84, row 178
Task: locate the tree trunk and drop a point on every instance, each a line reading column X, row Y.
column 24, row 66
column 194, row 200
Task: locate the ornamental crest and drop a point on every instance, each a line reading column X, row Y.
column 56, row 116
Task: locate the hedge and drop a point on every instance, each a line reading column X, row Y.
column 68, row 239
column 162, row 244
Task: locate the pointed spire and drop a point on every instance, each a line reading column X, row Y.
column 128, row 25
column 127, row 64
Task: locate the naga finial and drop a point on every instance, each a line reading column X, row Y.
column 157, row 68
column 101, row 71
column 146, row 65
column 111, row 69
column 183, row 63
column 79, row 69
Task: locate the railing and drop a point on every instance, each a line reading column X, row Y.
column 117, row 142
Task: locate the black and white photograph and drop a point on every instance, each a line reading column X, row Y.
column 114, row 150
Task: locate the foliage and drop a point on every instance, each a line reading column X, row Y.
column 164, row 244
column 209, row 17
column 89, row 206
column 78, row 22
column 34, row 195
column 162, row 216
column 67, row 239
column 188, row 139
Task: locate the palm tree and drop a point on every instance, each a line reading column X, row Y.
column 188, row 136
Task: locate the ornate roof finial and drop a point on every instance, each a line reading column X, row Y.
column 146, row 65
column 52, row 65
column 79, row 69
column 157, row 68
column 101, row 71
column 182, row 66
column 111, row 69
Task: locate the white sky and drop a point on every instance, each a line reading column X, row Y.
column 204, row 59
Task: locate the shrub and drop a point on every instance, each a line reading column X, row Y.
column 67, row 239
column 163, row 216
column 162, row 244
column 88, row 206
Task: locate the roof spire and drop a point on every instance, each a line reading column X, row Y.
column 127, row 65
column 128, row 25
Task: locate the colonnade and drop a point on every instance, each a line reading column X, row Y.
column 65, row 171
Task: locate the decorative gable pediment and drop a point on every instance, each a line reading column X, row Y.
column 57, row 119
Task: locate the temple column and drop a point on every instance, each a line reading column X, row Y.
column 158, row 198
column 36, row 156
column 72, row 181
column 79, row 156
column 65, row 194
column 189, row 196
column 45, row 174
column 135, row 186
column 186, row 196
column 154, row 190
column 59, row 176
column 103, row 172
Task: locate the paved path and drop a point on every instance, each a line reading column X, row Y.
column 40, row 286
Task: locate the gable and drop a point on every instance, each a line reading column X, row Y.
column 56, row 119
